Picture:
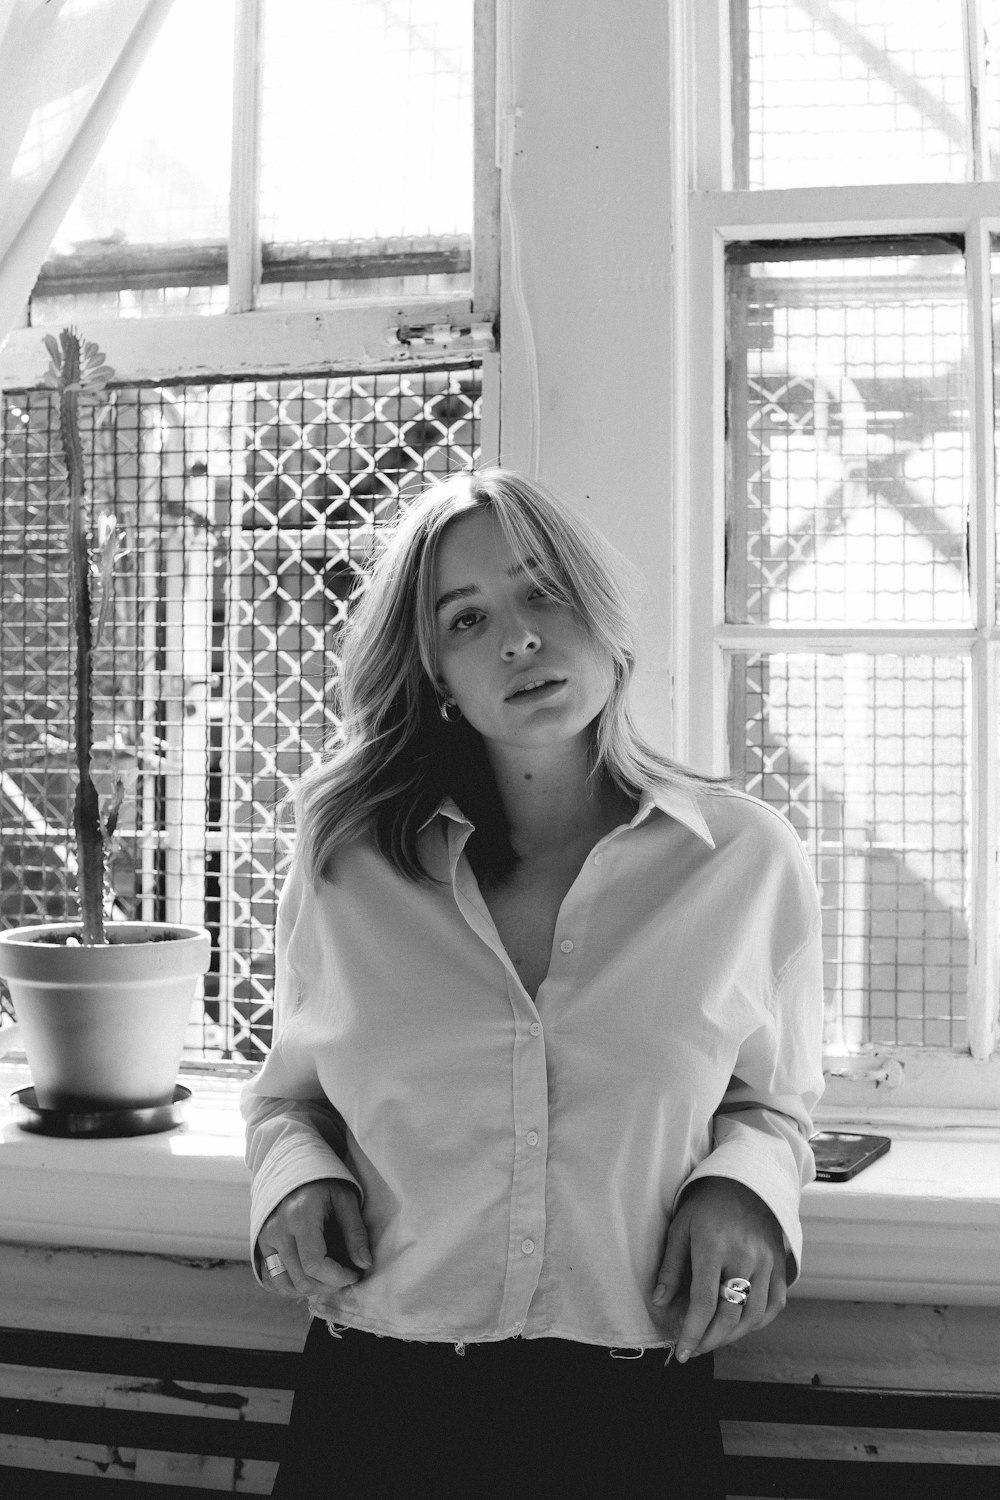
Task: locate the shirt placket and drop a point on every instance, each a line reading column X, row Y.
column 530, row 1107
column 529, row 1080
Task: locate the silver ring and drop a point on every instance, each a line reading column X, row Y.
column 273, row 1265
column 735, row 1290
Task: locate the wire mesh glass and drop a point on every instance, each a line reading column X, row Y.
column 868, row 757
column 849, row 439
column 249, row 509
column 160, row 181
column 995, row 277
column 367, row 129
column 832, row 92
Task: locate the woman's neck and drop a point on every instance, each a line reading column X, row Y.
column 551, row 801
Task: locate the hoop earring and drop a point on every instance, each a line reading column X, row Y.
column 445, row 705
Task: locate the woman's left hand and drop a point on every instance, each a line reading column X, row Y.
column 721, row 1229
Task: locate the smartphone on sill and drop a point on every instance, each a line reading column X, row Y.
column 840, row 1155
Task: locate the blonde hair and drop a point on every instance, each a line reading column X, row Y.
column 395, row 759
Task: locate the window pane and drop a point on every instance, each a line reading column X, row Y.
column 158, row 194
column 868, row 758
column 831, row 92
column 250, row 509
column 849, row 463
column 995, row 269
column 367, row 146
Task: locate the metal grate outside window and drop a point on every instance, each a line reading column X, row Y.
column 249, row 508
column 848, row 510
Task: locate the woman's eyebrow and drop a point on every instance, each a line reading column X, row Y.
column 453, row 594
column 472, row 588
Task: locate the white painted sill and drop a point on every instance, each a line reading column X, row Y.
column 920, row 1225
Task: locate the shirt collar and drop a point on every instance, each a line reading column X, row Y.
column 447, row 808
column 678, row 803
column 675, row 801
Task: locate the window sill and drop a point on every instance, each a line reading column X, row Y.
column 183, row 1192
column 920, row 1225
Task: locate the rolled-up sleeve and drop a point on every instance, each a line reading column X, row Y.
column 763, row 1124
column 293, row 1133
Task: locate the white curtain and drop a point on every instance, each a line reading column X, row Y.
column 66, row 67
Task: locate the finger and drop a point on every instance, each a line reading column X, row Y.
column 295, row 1278
column 352, row 1227
column 777, row 1296
column 733, row 1321
column 675, row 1267
column 312, row 1270
column 303, row 1245
column 280, row 1283
column 701, row 1309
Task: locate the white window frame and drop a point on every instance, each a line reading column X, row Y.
column 375, row 333
column 708, row 213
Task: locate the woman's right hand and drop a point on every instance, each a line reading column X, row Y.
column 307, row 1225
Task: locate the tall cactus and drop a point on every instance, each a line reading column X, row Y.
column 78, row 365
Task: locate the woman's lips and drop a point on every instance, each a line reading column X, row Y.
column 544, row 690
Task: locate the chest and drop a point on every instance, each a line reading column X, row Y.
column 525, row 912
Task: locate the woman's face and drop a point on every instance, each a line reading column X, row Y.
column 521, row 666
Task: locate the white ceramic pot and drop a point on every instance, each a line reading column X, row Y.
column 103, row 1027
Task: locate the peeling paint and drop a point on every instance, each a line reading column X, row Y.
column 117, row 1463
column 235, row 1400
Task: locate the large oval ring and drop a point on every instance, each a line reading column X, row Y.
column 736, row 1290
column 273, row 1265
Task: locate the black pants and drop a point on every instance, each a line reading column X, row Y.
column 525, row 1418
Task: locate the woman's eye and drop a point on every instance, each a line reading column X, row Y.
column 464, row 621
column 548, row 593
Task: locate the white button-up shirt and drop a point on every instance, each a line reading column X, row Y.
column 519, row 1160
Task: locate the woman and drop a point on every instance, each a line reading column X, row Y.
column 547, row 1039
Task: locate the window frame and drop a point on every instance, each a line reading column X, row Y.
column 709, row 214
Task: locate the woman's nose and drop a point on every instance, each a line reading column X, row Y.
column 520, row 638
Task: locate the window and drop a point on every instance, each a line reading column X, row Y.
column 842, row 249
column 326, row 153
column 301, row 335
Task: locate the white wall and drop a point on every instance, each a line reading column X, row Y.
column 588, row 190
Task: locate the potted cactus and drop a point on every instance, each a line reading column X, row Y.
column 102, row 1007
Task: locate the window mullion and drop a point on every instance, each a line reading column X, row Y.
column 984, row 968
column 974, row 29
column 873, row 640
column 244, row 186
column 699, row 572
column 486, row 166
column 709, row 23
column 867, row 211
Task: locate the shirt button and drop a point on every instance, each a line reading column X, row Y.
column 527, row 1246
column 566, row 946
column 532, row 1138
column 535, row 1028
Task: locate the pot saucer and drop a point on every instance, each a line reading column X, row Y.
column 94, row 1123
